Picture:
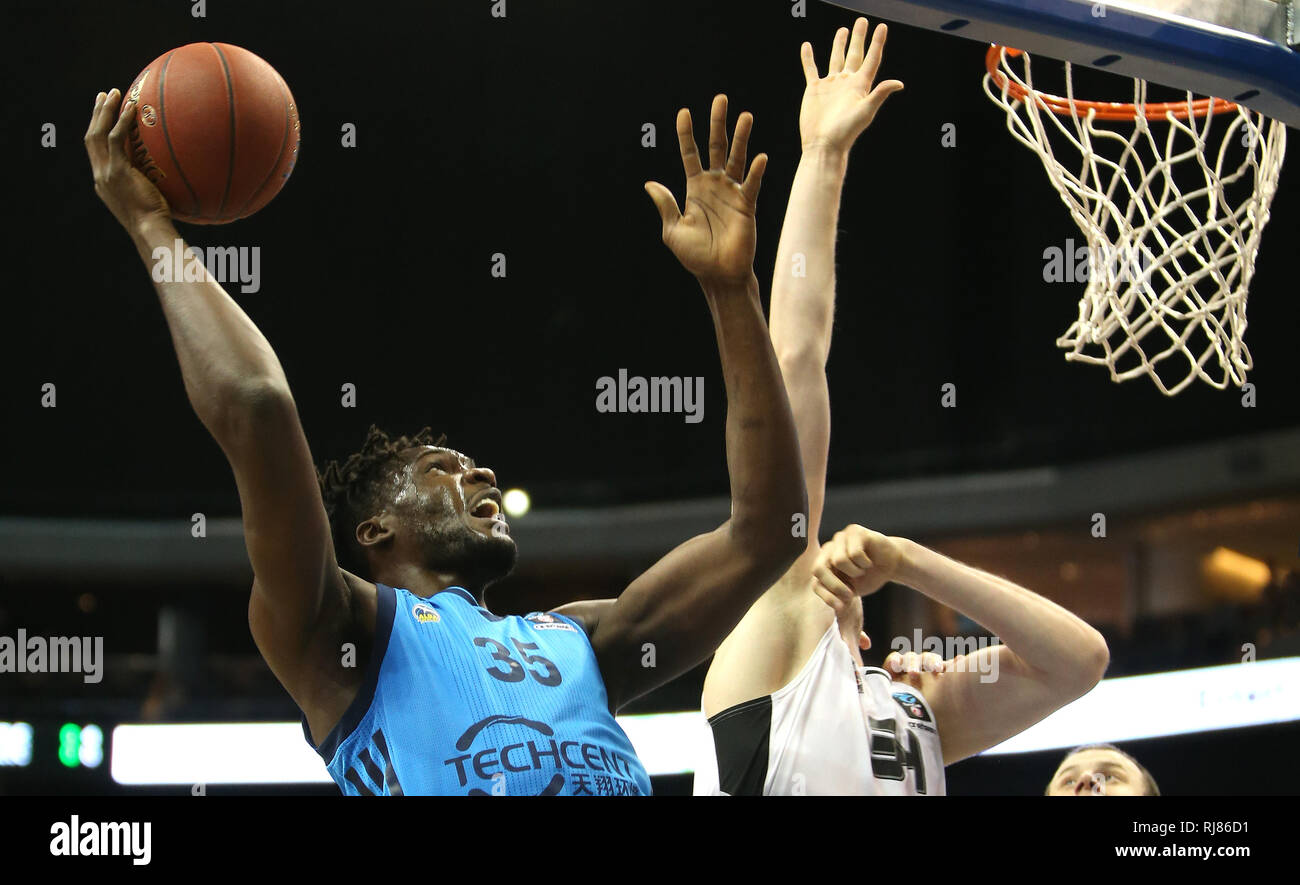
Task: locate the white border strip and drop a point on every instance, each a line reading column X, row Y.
column 1131, row 708
column 214, row 753
column 1163, row 704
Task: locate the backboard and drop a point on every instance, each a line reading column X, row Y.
column 1234, row 49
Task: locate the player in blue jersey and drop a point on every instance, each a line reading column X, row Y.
column 407, row 683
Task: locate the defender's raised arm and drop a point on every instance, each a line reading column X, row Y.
column 836, row 109
column 778, row 634
column 1047, row 656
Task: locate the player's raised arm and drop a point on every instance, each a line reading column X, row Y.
column 687, row 602
column 773, row 641
column 1047, row 656
column 239, row 392
column 836, row 109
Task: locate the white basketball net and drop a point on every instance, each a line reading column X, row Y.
column 1169, row 267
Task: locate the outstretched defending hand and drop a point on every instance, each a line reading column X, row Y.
column 855, row 562
column 715, row 237
column 129, row 195
column 837, row 108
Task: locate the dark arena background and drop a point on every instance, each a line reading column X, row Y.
column 481, row 139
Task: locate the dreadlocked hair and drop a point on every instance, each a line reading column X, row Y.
column 353, row 490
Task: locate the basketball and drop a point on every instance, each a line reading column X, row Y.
column 216, row 131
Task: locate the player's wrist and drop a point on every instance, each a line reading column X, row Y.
column 826, row 154
column 152, row 230
column 910, row 556
column 724, row 287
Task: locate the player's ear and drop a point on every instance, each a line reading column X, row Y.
column 864, row 641
column 375, row 530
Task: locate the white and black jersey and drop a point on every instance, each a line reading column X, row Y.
column 835, row 729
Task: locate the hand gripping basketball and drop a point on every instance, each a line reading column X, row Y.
column 129, row 195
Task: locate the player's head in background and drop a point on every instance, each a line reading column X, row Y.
column 1101, row 770
column 410, row 502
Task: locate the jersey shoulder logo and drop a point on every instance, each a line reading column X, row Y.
column 543, row 621
column 425, row 613
column 912, row 705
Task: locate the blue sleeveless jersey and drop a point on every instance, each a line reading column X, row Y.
column 459, row 701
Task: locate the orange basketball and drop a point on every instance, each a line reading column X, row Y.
column 216, row 131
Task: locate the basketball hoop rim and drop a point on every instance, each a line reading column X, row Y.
column 1105, row 110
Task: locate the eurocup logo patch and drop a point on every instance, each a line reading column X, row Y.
column 543, row 621
column 424, row 613
column 912, row 704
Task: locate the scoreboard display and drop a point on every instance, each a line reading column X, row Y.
column 52, row 756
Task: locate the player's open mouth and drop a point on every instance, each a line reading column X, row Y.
column 488, row 505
